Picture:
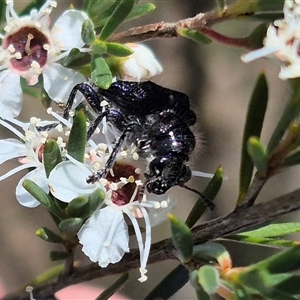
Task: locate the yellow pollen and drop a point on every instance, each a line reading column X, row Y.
column 137, row 171
column 164, row 204
column 36, row 66
column 103, row 103
column 131, row 179
column 135, row 156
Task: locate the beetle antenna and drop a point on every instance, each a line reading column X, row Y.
column 208, row 203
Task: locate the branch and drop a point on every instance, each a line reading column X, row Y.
column 236, row 221
column 201, row 23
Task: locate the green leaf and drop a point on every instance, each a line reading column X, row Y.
column 140, row 10
column 258, row 155
column 209, row 278
column 110, row 291
column 29, row 90
column 290, row 285
column 83, row 207
column 262, row 241
column 2, row 10
column 87, row 32
column 210, row 192
column 170, row 284
column 209, row 251
column 76, row 59
column 99, row 47
column 292, row 159
column 78, row 135
column 291, row 112
column 241, row 293
column 52, row 156
column 35, row 4
column 285, row 261
column 246, row 7
column 221, row 6
column 202, row 295
column 117, row 18
column 48, row 235
column 273, row 230
column 182, row 238
column 194, row 35
column 70, row 225
column 118, row 49
column 40, row 195
column 45, row 99
column 59, row 255
column 101, row 75
column 255, row 39
column 253, row 126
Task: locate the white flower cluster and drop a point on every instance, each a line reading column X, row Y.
column 283, row 41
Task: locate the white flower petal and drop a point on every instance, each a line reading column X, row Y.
column 59, row 81
column 10, row 94
column 39, row 177
column 66, row 31
column 67, row 181
column 11, row 148
column 104, row 236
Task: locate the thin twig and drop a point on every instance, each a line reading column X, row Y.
column 236, row 221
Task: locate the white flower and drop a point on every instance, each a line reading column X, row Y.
column 29, row 152
column 283, row 40
column 29, row 48
column 139, row 66
column 104, row 235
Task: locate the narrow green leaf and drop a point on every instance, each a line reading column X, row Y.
column 100, row 17
column 182, row 238
column 210, row 192
column 202, row 295
column 262, row 241
column 140, row 10
column 170, row 284
column 211, row 251
column 110, row 291
column 83, row 207
column 45, row 99
column 116, row 19
column 76, row 59
column 290, row 285
column 2, row 10
column 70, row 225
column 258, row 154
column 77, row 139
column 99, row 47
column 255, row 39
column 292, row 159
column 87, row 32
column 75, row 206
column 285, row 261
column 101, row 75
column 221, row 5
column 193, row 35
column 48, row 235
column 35, row 4
column 118, row 49
column 51, row 273
column 253, row 126
column 52, row 156
column 273, row 230
column 59, row 255
column 40, row 195
column 241, row 293
column 291, row 112
column 209, row 278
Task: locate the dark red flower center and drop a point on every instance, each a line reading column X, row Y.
column 123, row 195
column 29, row 42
